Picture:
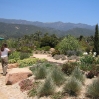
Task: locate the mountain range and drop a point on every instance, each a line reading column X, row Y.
column 17, row 28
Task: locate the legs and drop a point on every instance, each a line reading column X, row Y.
column 4, row 62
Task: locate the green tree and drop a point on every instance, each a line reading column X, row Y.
column 68, row 43
column 96, row 40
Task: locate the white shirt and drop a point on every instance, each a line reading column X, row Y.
column 5, row 52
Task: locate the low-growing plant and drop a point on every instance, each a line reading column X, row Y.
column 29, row 61
column 77, row 73
column 14, row 55
column 73, row 86
column 67, row 68
column 87, row 59
column 12, row 61
column 58, row 76
column 47, row 88
column 41, row 72
column 57, row 95
column 24, row 55
column 93, row 89
column 90, row 74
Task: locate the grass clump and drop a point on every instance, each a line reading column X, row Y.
column 73, row 86
column 40, row 72
column 93, row 89
column 47, row 88
column 77, row 73
column 58, row 76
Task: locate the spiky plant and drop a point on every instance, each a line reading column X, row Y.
column 47, row 88
column 77, row 73
column 93, row 89
column 73, row 86
column 41, row 73
column 58, row 76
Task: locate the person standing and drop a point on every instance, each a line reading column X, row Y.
column 4, row 58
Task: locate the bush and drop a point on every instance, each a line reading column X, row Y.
column 78, row 75
column 93, row 89
column 68, row 43
column 47, row 88
column 67, row 68
column 24, row 55
column 73, row 86
column 41, row 72
column 58, row 76
column 14, row 55
column 87, row 59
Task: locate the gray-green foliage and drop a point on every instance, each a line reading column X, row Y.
column 68, row 43
column 93, row 89
column 47, row 88
column 77, row 73
column 58, row 76
column 41, row 72
column 73, row 86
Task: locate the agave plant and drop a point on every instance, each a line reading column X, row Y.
column 77, row 73
column 93, row 89
column 47, row 88
column 73, row 86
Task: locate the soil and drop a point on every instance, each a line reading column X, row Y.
column 13, row 91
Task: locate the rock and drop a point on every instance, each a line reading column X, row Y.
column 52, row 50
column 17, row 74
column 14, row 65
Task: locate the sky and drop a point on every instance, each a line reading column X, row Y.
column 73, row 11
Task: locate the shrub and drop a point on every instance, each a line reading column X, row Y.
column 90, row 74
column 68, row 43
column 47, row 88
column 78, row 75
column 73, row 86
column 41, row 72
column 15, row 55
column 24, row 55
column 70, row 53
column 93, row 89
column 87, row 59
column 58, row 76
column 67, row 68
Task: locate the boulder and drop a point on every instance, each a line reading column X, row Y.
column 14, row 65
column 17, row 74
column 52, row 50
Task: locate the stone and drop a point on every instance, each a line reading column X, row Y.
column 17, row 74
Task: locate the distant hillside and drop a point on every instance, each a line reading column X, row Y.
column 18, row 28
column 56, row 25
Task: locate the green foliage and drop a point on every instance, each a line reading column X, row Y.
column 12, row 61
column 93, row 89
column 15, row 55
column 58, row 76
column 41, row 72
column 46, row 48
column 29, row 61
column 47, row 88
column 57, row 95
column 87, row 62
column 87, row 59
column 96, row 40
column 77, row 73
column 68, row 43
column 67, row 68
column 73, row 86
column 24, row 55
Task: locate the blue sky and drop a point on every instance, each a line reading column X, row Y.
column 74, row 11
